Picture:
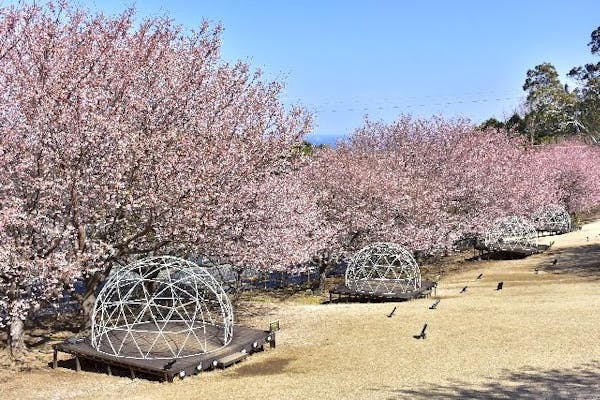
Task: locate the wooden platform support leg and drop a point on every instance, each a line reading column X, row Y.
column 131, row 373
column 77, row 364
column 108, row 370
column 55, row 359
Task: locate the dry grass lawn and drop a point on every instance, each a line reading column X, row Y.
column 537, row 338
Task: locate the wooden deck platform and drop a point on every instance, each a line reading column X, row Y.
column 550, row 232
column 244, row 342
column 510, row 251
column 348, row 294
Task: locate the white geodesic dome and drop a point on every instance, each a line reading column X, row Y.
column 511, row 233
column 552, row 218
column 383, row 268
column 161, row 308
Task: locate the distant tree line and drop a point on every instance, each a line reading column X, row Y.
column 552, row 110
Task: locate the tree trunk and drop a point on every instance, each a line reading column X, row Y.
column 88, row 299
column 238, row 279
column 323, row 270
column 16, row 337
column 87, row 308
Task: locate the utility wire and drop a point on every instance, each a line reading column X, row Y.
column 385, row 102
column 350, row 107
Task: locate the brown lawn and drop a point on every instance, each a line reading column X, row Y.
column 537, row 338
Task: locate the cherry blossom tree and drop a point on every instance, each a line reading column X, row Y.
column 450, row 177
column 34, row 262
column 346, row 187
column 568, row 173
column 427, row 183
column 123, row 139
column 135, row 139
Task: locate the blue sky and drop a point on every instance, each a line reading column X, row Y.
column 345, row 59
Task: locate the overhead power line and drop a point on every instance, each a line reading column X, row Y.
column 409, row 105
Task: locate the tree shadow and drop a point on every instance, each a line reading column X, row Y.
column 582, row 261
column 271, row 366
column 582, row 382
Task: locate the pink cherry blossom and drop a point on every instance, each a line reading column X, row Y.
column 121, row 140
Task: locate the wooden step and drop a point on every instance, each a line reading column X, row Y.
column 231, row 359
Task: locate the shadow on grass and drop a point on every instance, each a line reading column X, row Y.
column 581, row 261
column 271, row 366
column 529, row 384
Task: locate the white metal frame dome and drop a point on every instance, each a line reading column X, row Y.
column 161, row 308
column 552, row 218
column 511, row 233
column 383, row 268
